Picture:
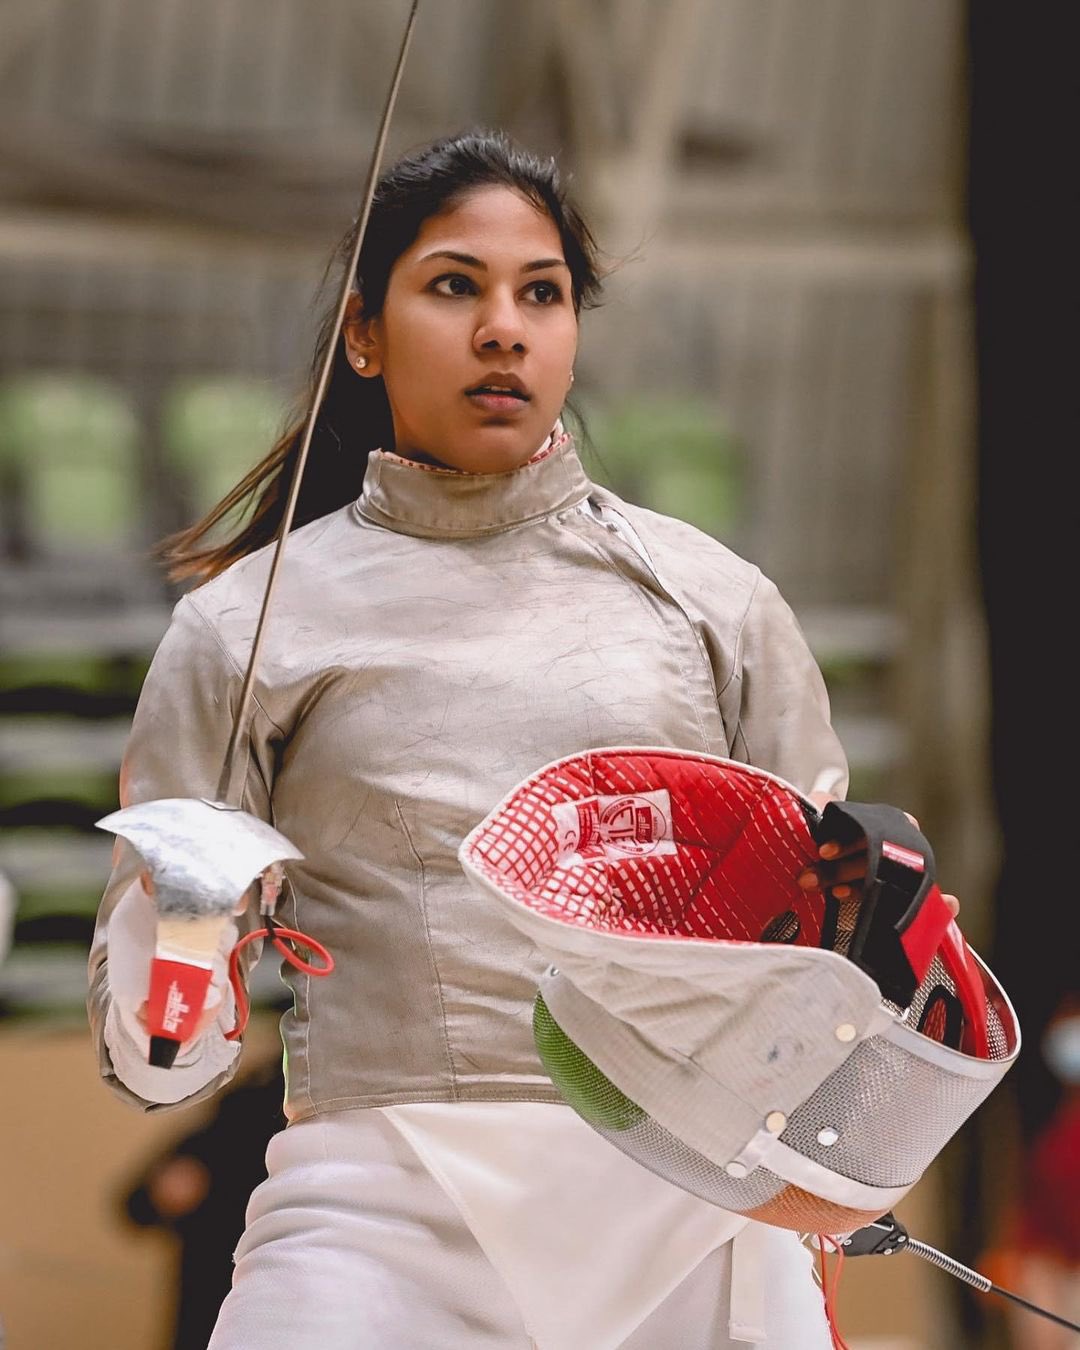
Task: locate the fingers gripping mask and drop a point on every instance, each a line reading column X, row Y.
column 745, row 1039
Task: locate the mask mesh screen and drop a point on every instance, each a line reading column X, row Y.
column 852, row 1125
column 937, row 976
column 761, row 1195
column 865, row 1121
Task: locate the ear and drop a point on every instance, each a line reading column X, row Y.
column 361, row 338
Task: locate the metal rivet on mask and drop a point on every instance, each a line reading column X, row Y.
column 776, row 1122
column 826, row 1138
column 845, row 1032
column 736, row 1169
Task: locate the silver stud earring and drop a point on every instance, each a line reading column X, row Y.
column 571, row 377
column 361, row 363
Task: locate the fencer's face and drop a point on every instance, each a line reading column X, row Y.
column 477, row 336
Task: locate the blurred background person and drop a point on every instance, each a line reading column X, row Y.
column 1038, row 1253
column 197, row 1189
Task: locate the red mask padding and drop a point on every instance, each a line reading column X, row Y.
column 720, row 862
column 722, row 865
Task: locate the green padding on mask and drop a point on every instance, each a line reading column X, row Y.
column 591, row 1093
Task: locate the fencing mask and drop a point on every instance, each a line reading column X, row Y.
column 747, row 1040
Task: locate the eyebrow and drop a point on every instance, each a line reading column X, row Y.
column 470, row 261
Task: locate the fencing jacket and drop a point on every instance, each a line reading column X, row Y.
column 430, row 646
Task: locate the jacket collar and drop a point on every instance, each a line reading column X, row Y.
column 442, row 503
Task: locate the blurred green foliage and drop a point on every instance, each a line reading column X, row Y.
column 20, row 669
column 87, row 672
column 68, row 458
column 676, row 456
column 215, row 430
column 94, row 789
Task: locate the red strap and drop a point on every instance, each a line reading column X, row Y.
column 960, row 964
column 923, row 935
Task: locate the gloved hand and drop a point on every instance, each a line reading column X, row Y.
column 132, row 936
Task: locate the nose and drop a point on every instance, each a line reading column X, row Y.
column 501, row 327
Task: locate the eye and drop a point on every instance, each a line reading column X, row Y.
column 546, row 292
column 454, row 284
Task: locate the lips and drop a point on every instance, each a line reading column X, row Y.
column 500, row 386
column 495, row 391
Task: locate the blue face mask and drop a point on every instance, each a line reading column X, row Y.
column 1061, row 1049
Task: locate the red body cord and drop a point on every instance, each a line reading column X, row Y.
column 829, row 1287
column 280, row 937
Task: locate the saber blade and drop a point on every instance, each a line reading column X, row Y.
column 986, row 1286
column 245, row 707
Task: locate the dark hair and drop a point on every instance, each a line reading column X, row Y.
column 355, row 415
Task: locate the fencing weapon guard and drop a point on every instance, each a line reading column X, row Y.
column 201, row 857
column 725, row 1028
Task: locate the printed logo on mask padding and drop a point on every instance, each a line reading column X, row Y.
column 612, row 828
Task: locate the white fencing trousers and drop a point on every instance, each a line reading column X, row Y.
column 351, row 1244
